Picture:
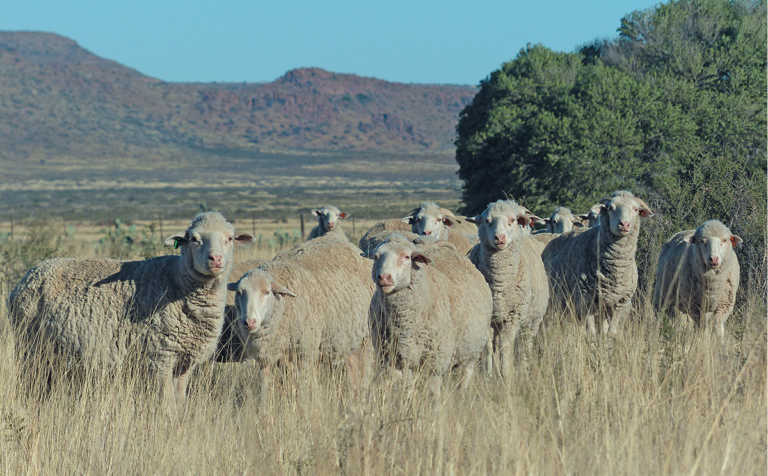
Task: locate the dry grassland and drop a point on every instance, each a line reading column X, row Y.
column 661, row 398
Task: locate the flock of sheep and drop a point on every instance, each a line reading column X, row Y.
column 432, row 292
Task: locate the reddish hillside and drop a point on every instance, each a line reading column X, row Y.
column 58, row 99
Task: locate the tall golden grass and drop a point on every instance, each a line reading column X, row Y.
column 661, row 398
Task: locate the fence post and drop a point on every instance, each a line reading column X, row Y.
column 253, row 224
column 11, row 235
column 353, row 226
column 301, row 221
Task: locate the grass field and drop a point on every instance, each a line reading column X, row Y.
column 661, row 398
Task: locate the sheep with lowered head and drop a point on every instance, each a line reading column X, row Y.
column 698, row 274
column 308, row 304
column 376, row 234
column 328, row 218
column 431, row 310
column 165, row 313
column 510, row 260
column 595, row 270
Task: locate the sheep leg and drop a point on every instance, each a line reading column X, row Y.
column 505, row 349
column 589, row 319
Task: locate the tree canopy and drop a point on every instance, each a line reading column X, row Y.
column 673, row 109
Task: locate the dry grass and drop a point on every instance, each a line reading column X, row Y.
column 659, row 399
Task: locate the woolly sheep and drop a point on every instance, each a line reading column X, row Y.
column 328, row 218
column 428, row 219
column 373, row 241
column 376, row 234
column 595, row 270
column 562, row 220
column 308, row 304
column 698, row 274
column 164, row 312
column 431, row 310
column 510, row 260
column 591, row 218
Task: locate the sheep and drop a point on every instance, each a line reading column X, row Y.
column 562, row 220
column 595, row 269
column 165, row 312
column 428, row 219
column 377, row 233
column 431, row 310
column 308, row 304
column 509, row 258
column 591, row 218
column 698, row 274
column 374, row 240
column 328, row 218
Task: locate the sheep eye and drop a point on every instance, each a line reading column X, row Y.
column 406, row 257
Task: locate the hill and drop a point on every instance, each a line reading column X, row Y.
column 59, row 100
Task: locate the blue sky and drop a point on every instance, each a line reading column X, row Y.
column 237, row 40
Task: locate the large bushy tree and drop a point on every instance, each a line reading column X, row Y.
column 673, row 109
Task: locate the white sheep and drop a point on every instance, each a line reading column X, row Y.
column 562, row 220
column 308, row 304
column 595, row 270
column 328, row 218
column 376, row 234
column 437, row 223
column 165, row 313
column 591, row 218
column 509, row 258
column 698, row 274
column 431, row 310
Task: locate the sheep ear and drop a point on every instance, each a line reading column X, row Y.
column 232, row 287
column 343, row 215
column 736, row 241
column 449, row 220
column 583, row 216
column 243, row 239
column 523, row 220
column 176, row 241
column 316, row 212
column 408, row 219
column 645, row 210
column 418, row 257
column 474, row 220
column 578, row 224
column 280, row 291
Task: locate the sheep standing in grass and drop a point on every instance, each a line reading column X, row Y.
column 437, row 223
column 595, row 270
column 165, row 313
column 510, row 260
column 698, row 274
column 308, row 304
column 562, row 220
column 431, row 310
column 328, row 218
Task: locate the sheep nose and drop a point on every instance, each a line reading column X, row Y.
column 625, row 225
column 216, row 260
column 427, row 232
column 500, row 239
column 384, row 279
column 714, row 260
column 251, row 324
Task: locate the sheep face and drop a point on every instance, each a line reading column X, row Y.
column 257, row 296
column 502, row 222
column 393, row 265
column 430, row 220
column 328, row 217
column 712, row 241
column 207, row 245
column 562, row 221
column 622, row 212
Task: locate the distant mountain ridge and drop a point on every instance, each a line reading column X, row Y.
column 57, row 99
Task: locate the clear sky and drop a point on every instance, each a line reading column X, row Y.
column 239, row 40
